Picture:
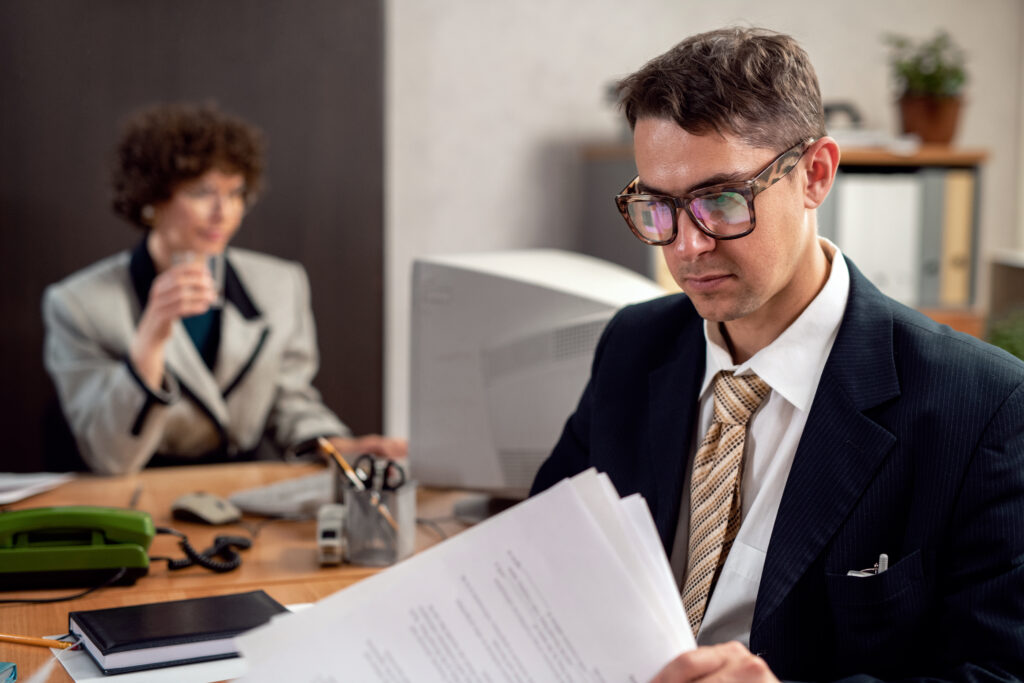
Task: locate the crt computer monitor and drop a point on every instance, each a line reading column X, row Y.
column 501, row 347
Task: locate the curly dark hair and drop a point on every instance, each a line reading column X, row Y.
column 165, row 145
column 752, row 83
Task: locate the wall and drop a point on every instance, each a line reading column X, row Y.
column 486, row 100
column 309, row 73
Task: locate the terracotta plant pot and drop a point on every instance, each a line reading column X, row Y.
column 933, row 119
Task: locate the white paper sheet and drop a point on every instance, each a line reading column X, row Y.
column 550, row 590
column 18, row 486
column 82, row 669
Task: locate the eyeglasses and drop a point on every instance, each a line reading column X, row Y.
column 724, row 212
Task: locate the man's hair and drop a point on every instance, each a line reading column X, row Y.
column 165, row 145
column 755, row 84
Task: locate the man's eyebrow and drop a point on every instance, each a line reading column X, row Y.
column 718, row 179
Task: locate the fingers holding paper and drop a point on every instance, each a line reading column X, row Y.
column 725, row 662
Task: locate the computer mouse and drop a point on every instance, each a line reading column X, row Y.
column 206, row 508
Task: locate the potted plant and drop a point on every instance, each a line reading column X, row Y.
column 1008, row 334
column 929, row 78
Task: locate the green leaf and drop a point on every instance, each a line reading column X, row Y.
column 930, row 67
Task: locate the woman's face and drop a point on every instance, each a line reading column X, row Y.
column 202, row 214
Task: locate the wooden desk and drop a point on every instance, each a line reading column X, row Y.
column 282, row 560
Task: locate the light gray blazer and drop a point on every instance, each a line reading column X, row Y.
column 261, row 383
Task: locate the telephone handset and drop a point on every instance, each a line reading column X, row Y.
column 73, row 546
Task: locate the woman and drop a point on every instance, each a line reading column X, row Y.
column 234, row 377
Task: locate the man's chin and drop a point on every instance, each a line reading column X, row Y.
column 717, row 309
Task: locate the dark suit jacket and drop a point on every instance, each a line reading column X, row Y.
column 914, row 446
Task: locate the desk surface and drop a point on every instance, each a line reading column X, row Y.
column 282, row 560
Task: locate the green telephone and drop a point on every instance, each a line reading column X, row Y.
column 61, row 547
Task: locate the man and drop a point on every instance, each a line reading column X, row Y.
column 837, row 480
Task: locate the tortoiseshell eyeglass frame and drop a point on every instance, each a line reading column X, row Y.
column 748, row 189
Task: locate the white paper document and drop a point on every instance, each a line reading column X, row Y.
column 18, row 486
column 82, row 669
column 571, row 585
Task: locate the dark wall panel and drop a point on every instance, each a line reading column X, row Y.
column 308, row 72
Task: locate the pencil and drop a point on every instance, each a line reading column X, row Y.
column 29, row 640
column 328, row 447
column 388, row 517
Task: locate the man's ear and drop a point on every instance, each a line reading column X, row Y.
column 822, row 162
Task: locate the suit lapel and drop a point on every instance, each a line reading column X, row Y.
column 673, row 392
column 243, row 333
column 240, row 341
column 183, row 360
column 841, row 449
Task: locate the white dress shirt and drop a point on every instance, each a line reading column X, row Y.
column 792, row 366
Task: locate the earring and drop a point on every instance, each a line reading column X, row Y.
column 147, row 213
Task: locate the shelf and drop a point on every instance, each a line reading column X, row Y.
column 926, row 155
column 962, row 320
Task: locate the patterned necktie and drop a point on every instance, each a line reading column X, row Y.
column 715, row 508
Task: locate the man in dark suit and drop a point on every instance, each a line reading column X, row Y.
column 837, row 480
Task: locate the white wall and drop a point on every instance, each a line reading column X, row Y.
column 487, row 97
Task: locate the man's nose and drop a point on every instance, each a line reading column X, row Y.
column 690, row 240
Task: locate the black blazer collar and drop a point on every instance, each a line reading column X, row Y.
column 673, row 393
column 841, row 448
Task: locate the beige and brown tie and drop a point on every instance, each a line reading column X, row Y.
column 715, row 509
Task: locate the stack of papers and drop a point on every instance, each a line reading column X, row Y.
column 571, row 585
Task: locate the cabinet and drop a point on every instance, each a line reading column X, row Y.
column 910, row 222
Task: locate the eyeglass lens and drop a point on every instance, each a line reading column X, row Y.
column 724, row 214
column 653, row 219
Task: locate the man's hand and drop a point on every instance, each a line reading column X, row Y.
column 725, row 662
column 386, row 446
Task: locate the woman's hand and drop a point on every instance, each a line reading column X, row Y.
column 180, row 291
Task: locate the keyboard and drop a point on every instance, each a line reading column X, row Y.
column 297, row 498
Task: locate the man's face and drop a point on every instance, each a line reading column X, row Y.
column 756, row 278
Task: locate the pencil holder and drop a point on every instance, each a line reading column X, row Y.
column 370, row 538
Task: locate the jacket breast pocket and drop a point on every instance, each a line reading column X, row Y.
column 878, row 612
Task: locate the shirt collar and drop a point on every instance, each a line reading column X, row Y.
column 792, row 363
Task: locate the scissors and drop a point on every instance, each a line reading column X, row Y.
column 379, row 474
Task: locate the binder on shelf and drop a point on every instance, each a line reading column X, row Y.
column 878, row 225
column 958, row 216
column 933, row 189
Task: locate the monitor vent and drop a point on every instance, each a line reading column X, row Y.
column 578, row 340
column 535, row 351
column 511, row 358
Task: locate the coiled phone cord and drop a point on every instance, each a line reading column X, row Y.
column 220, row 557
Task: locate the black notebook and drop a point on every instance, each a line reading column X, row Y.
column 160, row 634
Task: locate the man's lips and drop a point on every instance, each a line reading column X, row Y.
column 705, row 283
